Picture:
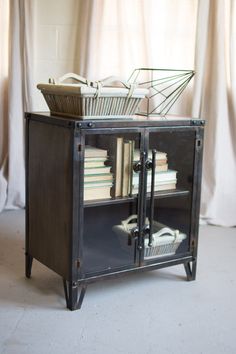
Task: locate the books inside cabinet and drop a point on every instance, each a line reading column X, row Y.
column 110, row 174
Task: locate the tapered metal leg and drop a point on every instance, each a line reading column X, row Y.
column 74, row 300
column 28, row 265
column 191, row 268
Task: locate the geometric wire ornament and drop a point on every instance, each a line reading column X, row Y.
column 165, row 86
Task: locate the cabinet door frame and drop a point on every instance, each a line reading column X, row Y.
column 80, row 145
column 142, row 200
column 195, row 195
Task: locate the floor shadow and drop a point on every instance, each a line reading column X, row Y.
column 45, row 288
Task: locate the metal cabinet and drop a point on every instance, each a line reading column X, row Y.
column 109, row 197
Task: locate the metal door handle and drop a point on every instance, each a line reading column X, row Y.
column 151, row 212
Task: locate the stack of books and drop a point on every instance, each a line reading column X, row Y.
column 98, row 179
column 127, row 181
column 165, row 179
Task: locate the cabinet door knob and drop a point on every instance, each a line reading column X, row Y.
column 137, row 166
column 148, row 164
column 134, row 232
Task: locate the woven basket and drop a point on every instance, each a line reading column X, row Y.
column 91, row 100
column 163, row 245
column 162, row 250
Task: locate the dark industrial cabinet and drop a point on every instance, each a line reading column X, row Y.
column 84, row 237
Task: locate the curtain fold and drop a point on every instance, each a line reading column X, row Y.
column 114, row 37
column 111, row 37
column 4, row 27
column 19, row 100
column 162, row 34
column 214, row 99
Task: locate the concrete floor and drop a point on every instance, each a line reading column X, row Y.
column 155, row 312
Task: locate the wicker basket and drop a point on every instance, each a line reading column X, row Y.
column 165, row 241
column 91, row 100
column 162, row 250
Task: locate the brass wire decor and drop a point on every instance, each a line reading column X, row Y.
column 165, row 86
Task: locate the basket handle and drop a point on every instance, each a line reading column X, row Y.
column 167, row 231
column 111, row 79
column 130, row 218
column 96, row 84
column 72, row 76
column 104, row 82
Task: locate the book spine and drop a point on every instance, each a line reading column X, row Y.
column 131, row 167
column 118, row 166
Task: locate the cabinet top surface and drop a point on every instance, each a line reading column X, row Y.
column 133, row 121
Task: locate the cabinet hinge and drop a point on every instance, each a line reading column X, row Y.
column 78, row 263
column 80, row 147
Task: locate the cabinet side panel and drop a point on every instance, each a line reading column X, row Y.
column 50, row 196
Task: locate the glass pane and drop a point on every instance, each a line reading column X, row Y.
column 109, row 202
column 173, row 190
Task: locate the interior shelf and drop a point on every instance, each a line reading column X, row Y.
column 118, row 200
column 170, row 193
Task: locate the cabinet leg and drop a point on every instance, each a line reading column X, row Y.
column 190, row 269
column 28, row 265
column 73, row 298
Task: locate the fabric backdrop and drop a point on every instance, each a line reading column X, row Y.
column 16, row 85
column 215, row 100
column 114, row 37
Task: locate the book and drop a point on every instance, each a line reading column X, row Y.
column 125, row 168
column 99, row 177
column 161, row 162
column 131, row 166
column 158, row 187
column 118, row 166
column 97, row 170
column 162, row 176
column 94, row 163
column 160, row 168
column 97, row 184
column 127, row 172
column 90, row 159
column 91, row 151
column 97, row 193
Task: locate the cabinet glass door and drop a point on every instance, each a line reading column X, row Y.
column 169, row 193
column 110, row 200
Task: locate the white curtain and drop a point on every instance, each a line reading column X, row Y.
column 215, row 100
column 179, row 34
column 114, row 37
column 16, row 84
column 119, row 35
column 4, row 23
